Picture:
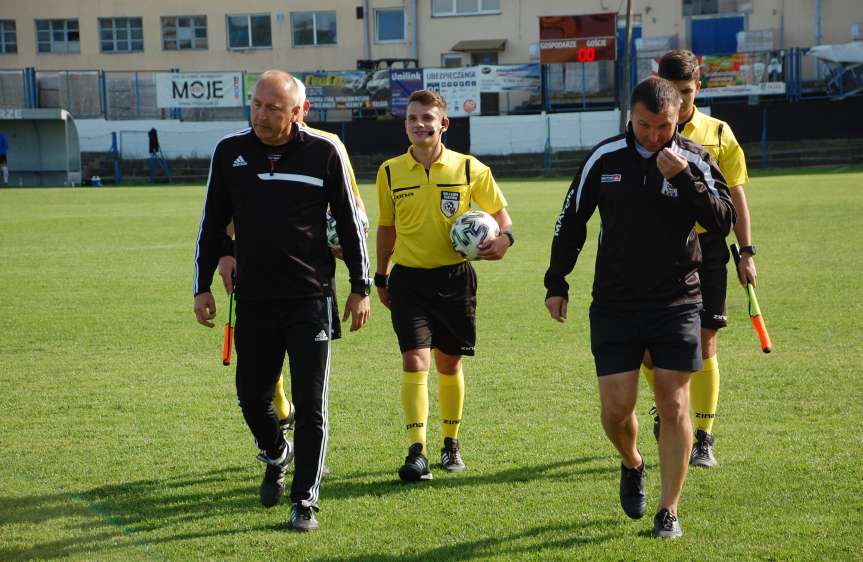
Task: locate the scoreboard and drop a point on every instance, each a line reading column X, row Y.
column 586, row 38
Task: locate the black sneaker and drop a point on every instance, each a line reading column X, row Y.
column 450, row 456
column 416, row 466
column 653, row 412
column 702, row 450
column 666, row 525
column 633, row 500
column 303, row 518
column 273, row 484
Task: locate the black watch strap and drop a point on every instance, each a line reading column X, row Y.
column 360, row 287
column 509, row 235
column 748, row 250
column 381, row 279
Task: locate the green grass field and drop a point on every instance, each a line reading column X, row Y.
column 121, row 439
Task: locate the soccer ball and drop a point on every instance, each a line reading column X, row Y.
column 470, row 230
column 333, row 236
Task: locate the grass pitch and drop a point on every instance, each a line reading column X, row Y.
column 121, row 439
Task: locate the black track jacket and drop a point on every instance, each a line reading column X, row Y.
column 648, row 252
column 279, row 214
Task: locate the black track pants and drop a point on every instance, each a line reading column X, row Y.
column 265, row 331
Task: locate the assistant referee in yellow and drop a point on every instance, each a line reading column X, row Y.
column 431, row 289
column 682, row 68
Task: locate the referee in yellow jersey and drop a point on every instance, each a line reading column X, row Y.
column 682, row 69
column 431, row 289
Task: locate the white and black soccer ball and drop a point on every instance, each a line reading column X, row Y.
column 470, row 230
column 333, row 236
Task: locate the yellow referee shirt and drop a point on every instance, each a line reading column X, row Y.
column 423, row 205
column 342, row 150
column 716, row 137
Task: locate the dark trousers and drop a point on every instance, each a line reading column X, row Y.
column 265, row 331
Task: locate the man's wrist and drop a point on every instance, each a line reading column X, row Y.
column 508, row 233
column 381, row 279
column 361, row 287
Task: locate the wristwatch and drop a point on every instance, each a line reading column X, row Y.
column 509, row 235
column 381, row 279
column 361, row 287
column 748, row 250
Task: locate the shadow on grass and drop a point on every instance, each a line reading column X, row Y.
column 529, row 541
column 148, row 512
column 351, row 485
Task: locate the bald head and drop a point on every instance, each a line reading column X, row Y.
column 282, row 82
column 275, row 107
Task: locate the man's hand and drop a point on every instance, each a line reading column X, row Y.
column 384, row 295
column 227, row 269
column 669, row 163
column 205, row 309
column 746, row 270
column 494, row 249
column 557, row 308
column 358, row 308
column 337, row 252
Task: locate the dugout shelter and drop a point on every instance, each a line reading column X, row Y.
column 43, row 147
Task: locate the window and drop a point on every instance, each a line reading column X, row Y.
column 249, row 32
column 313, row 28
column 451, row 60
column 184, row 32
column 465, row 7
column 390, row 25
column 712, row 7
column 8, row 39
column 58, row 36
column 121, row 35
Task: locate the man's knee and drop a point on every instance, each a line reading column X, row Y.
column 709, row 338
column 415, row 360
column 447, row 364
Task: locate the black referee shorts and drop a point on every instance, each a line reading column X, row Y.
column 619, row 338
column 713, row 274
column 434, row 308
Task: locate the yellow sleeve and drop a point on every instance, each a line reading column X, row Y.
column 386, row 206
column 732, row 162
column 484, row 190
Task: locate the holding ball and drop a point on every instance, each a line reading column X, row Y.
column 333, row 236
column 470, row 231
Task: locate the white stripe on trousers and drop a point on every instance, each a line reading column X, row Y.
column 325, row 407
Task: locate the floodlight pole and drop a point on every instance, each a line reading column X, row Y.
column 627, row 68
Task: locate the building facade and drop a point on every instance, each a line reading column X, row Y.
column 308, row 35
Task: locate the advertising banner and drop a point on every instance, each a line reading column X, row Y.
column 739, row 74
column 199, row 89
column 509, row 78
column 340, row 89
column 742, row 74
column 403, row 82
column 458, row 86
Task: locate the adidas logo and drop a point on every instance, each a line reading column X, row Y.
column 240, row 161
column 322, row 336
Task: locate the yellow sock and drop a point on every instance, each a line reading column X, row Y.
column 415, row 403
column 704, row 394
column 280, row 401
column 649, row 375
column 451, row 396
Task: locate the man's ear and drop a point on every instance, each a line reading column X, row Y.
column 444, row 124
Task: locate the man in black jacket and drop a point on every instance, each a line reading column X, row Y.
column 650, row 185
column 275, row 180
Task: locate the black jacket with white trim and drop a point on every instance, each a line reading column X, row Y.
column 648, row 252
column 279, row 213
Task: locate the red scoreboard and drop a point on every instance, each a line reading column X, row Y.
column 585, row 38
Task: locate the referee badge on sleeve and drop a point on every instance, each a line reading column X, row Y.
column 449, row 203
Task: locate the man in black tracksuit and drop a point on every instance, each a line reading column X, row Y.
column 275, row 182
column 650, row 186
